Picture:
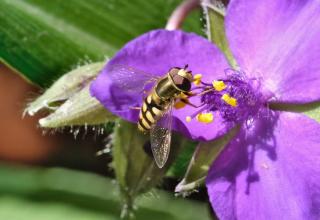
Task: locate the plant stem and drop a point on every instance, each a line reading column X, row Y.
column 177, row 17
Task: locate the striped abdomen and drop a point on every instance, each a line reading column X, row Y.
column 151, row 111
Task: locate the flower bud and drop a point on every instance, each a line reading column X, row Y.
column 80, row 109
column 70, row 102
column 65, row 87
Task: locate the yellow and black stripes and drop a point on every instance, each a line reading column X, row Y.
column 150, row 112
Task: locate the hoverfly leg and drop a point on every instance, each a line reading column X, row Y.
column 135, row 108
column 186, row 101
column 192, row 94
column 191, row 104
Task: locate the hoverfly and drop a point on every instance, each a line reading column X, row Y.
column 155, row 113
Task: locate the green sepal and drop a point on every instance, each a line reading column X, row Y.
column 203, row 157
column 214, row 11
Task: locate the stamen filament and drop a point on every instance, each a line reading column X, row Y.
column 199, row 111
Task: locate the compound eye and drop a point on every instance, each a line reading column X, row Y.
column 182, row 83
column 174, row 71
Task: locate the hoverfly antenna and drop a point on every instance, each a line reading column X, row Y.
column 186, row 66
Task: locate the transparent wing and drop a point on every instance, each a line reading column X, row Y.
column 160, row 137
column 131, row 79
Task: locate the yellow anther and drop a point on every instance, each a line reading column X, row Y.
column 197, row 79
column 188, row 119
column 179, row 105
column 229, row 100
column 205, row 117
column 218, row 85
column 197, row 82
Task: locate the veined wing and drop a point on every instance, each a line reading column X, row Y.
column 160, row 137
column 130, row 79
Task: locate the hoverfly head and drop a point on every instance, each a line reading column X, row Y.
column 182, row 78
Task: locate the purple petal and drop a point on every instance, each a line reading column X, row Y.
column 199, row 131
column 270, row 171
column 156, row 52
column 278, row 41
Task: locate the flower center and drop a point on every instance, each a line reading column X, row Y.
column 236, row 98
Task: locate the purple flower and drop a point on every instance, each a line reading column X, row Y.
column 271, row 169
column 155, row 53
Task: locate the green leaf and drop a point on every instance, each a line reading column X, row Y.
column 214, row 11
column 135, row 169
column 51, row 194
column 204, row 155
column 44, row 39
